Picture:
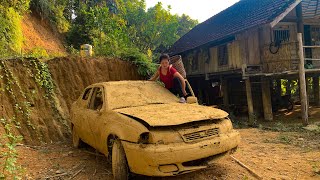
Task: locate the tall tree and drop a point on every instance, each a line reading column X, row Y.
column 113, row 25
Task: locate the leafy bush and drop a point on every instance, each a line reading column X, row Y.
column 11, row 37
column 19, row 6
column 71, row 50
column 145, row 65
column 38, row 52
column 56, row 12
column 59, row 19
column 8, row 166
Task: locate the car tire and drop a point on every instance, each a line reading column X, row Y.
column 76, row 141
column 120, row 167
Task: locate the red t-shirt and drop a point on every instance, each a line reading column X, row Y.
column 168, row 78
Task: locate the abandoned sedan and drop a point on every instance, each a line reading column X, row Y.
column 144, row 130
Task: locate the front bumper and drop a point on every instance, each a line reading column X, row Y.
column 171, row 159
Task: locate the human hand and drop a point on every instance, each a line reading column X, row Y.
column 184, row 93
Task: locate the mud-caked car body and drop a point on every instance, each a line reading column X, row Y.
column 143, row 128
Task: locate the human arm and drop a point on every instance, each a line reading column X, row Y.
column 155, row 76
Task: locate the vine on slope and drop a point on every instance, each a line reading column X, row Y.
column 8, row 154
column 44, row 79
column 20, row 107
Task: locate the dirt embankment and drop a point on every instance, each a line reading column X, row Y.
column 43, row 114
column 72, row 75
column 38, row 34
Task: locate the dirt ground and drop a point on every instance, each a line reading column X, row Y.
column 272, row 155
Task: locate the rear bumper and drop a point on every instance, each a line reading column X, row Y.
column 174, row 159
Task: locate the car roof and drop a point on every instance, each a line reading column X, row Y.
column 111, row 83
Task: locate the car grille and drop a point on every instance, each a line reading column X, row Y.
column 200, row 134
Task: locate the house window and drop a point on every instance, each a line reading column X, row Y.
column 223, row 55
column 315, row 35
column 281, row 35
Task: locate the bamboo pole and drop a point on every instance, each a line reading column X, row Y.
column 247, row 168
column 311, row 46
column 302, row 80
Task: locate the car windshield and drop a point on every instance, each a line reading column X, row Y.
column 137, row 93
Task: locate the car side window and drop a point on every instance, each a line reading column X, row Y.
column 86, row 94
column 96, row 102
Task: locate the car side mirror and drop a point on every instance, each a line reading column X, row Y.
column 192, row 100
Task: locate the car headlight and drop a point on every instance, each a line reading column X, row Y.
column 144, row 138
column 225, row 125
column 164, row 136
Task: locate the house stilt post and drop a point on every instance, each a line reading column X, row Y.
column 249, row 101
column 266, row 99
column 316, row 90
column 302, row 79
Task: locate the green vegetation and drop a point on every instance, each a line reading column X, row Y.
column 58, row 13
column 39, row 52
column 11, row 37
column 12, row 85
column 143, row 63
column 8, row 167
column 316, row 169
column 116, row 28
column 126, row 26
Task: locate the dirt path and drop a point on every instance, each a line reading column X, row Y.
column 272, row 155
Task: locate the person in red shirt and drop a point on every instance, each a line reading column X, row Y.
column 171, row 78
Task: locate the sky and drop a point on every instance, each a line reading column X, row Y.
column 196, row 9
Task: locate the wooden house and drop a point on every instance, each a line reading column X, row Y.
column 249, row 45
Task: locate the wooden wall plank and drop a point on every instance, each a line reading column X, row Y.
column 213, row 59
column 237, row 55
column 253, row 47
column 230, row 56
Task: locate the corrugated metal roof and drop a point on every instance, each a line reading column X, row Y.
column 311, row 8
column 241, row 16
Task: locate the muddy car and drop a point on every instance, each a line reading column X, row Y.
column 143, row 129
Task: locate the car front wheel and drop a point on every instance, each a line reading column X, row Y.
column 120, row 167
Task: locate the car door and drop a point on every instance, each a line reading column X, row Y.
column 95, row 116
column 79, row 115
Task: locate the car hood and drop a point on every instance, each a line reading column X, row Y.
column 173, row 114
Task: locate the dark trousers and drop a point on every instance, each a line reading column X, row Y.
column 177, row 87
